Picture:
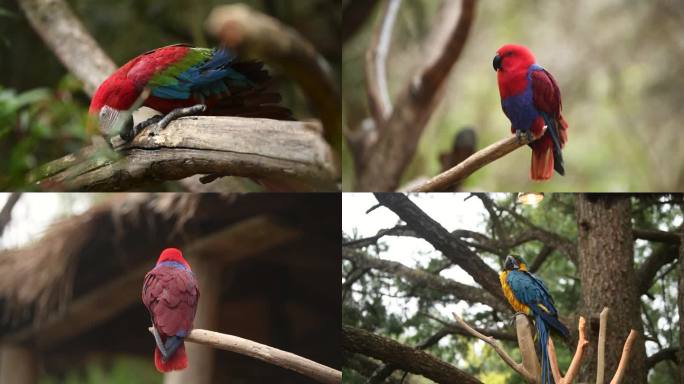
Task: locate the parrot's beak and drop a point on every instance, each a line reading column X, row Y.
column 497, row 62
column 510, row 264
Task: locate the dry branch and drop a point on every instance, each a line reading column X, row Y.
column 601, row 350
column 287, row 360
column 624, row 359
column 281, row 151
column 525, row 339
column 63, row 32
column 476, row 161
column 254, row 34
column 382, row 164
column 572, row 372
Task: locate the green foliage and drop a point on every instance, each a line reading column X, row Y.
column 121, row 370
column 36, row 126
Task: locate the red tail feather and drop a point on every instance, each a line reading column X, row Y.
column 542, row 159
column 178, row 361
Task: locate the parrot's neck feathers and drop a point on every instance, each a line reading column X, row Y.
column 174, row 264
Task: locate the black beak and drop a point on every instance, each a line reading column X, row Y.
column 497, row 62
column 510, row 263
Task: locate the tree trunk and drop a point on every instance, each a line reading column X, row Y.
column 17, row 365
column 606, row 269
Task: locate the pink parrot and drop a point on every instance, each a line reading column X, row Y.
column 531, row 100
column 179, row 80
column 170, row 294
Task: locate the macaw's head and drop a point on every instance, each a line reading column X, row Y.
column 513, row 58
column 110, row 110
column 514, row 262
column 172, row 254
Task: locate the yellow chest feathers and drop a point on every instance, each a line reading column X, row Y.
column 517, row 305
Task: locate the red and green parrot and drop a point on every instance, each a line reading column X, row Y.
column 170, row 294
column 531, row 100
column 179, row 80
column 529, row 295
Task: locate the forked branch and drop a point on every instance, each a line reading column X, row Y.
column 284, row 359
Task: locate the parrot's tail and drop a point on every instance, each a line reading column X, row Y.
column 178, row 361
column 542, row 159
column 543, row 332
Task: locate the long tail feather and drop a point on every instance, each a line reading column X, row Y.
column 178, row 361
column 542, row 159
column 543, row 333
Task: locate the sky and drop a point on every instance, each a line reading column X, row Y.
column 34, row 212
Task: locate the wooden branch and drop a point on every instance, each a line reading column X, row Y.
column 526, row 347
column 379, row 102
column 381, row 166
column 403, row 357
column 601, row 350
column 624, row 359
column 284, row 359
column 64, row 34
column 271, row 150
column 656, row 236
column 254, row 34
column 572, row 372
column 479, row 159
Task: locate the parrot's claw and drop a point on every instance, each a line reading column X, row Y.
column 173, row 115
column 130, row 134
column 524, row 137
column 516, row 315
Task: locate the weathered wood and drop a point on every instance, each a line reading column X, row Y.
column 263, row 149
column 200, row 368
column 63, row 32
column 254, row 34
column 17, row 365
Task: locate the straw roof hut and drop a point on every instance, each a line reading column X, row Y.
column 268, row 268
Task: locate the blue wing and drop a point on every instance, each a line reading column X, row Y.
column 210, row 77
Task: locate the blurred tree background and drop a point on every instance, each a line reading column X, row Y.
column 43, row 108
column 618, row 64
column 398, row 284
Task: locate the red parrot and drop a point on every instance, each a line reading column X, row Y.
column 179, row 80
column 170, row 294
column 531, row 100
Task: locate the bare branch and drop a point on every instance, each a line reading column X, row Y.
column 479, row 159
column 573, row 370
column 287, row 360
column 403, row 357
column 270, row 150
column 525, row 339
column 601, row 350
column 254, row 34
column 662, row 355
column 656, row 236
column 381, row 166
column 64, row 34
column 624, row 359
column 379, row 101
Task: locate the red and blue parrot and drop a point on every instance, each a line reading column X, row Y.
column 179, row 80
column 529, row 295
column 531, row 100
column 170, row 294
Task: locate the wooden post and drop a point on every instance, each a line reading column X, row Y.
column 17, row 365
column 200, row 368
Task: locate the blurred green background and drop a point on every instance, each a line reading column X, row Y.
column 43, row 109
column 619, row 64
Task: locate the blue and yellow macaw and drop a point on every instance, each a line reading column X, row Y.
column 529, row 295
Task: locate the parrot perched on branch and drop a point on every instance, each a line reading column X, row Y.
column 180, row 80
column 170, row 294
column 531, row 100
column 529, row 295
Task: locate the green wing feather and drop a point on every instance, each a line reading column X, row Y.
column 169, row 76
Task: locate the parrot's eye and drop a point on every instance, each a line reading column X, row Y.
column 509, row 53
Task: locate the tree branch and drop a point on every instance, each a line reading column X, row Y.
column 381, row 166
column 403, row 357
column 379, row 102
column 420, row 278
column 287, row 360
column 452, row 248
column 271, row 150
column 624, row 359
column 662, row 355
column 479, row 159
column 253, row 34
column 573, row 370
column 64, row 34
column 656, row 235
column 6, row 212
column 530, row 363
column 661, row 256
